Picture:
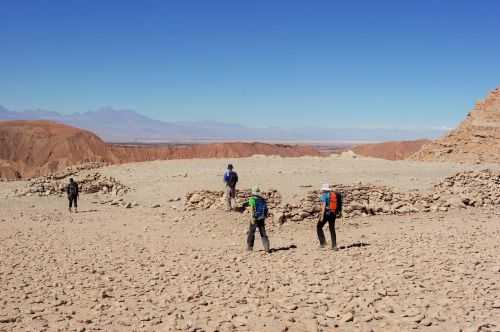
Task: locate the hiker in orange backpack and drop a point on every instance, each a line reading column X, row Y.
column 331, row 206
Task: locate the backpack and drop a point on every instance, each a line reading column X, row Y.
column 260, row 212
column 232, row 178
column 73, row 189
column 335, row 203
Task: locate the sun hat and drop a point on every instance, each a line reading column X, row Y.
column 326, row 187
column 256, row 191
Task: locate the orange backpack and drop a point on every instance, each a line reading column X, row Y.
column 333, row 202
column 334, row 205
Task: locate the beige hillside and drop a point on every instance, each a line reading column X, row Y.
column 477, row 138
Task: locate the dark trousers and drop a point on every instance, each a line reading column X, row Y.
column 330, row 218
column 73, row 199
column 260, row 224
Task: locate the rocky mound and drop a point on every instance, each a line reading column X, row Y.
column 36, row 148
column 466, row 189
column 477, row 139
column 89, row 183
column 206, row 199
column 397, row 150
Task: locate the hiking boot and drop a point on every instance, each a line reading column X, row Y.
column 249, row 249
column 335, row 248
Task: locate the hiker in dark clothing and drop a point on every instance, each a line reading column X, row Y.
column 73, row 193
column 258, row 219
column 331, row 206
column 230, row 179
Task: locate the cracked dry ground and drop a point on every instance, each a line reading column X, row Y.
column 149, row 270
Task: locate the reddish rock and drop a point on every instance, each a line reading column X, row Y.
column 35, row 148
column 476, row 140
column 397, row 150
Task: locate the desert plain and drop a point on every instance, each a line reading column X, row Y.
column 156, row 266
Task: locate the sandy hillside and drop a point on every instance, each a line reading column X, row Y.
column 112, row 268
column 394, row 150
column 476, row 139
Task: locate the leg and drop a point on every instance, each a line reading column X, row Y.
column 70, row 203
column 76, row 203
column 331, row 225
column 263, row 235
column 228, row 198
column 251, row 236
column 232, row 197
column 319, row 230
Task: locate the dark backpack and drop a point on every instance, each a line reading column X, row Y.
column 232, row 178
column 73, row 189
column 260, row 209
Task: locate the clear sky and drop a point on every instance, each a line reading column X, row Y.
column 259, row 63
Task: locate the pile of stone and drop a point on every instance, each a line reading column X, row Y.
column 207, row 199
column 466, row 189
column 89, row 183
column 358, row 200
column 471, row 188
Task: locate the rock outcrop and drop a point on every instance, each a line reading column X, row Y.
column 37, row 148
column 476, row 140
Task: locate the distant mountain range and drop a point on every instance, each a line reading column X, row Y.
column 114, row 125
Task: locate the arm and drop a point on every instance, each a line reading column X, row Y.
column 322, row 210
column 251, row 203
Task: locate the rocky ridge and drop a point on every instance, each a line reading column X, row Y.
column 462, row 190
column 38, row 148
column 476, row 140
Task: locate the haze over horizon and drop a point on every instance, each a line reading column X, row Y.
column 358, row 65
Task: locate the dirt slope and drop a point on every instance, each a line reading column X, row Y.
column 397, row 150
column 33, row 148
column 477, row 138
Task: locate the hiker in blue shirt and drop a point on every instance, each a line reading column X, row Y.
column 259, row 214
column 230, row 179
column 331, row 206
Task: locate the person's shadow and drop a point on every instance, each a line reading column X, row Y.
column 87, row 211
column 292, row 246
column 354, row 245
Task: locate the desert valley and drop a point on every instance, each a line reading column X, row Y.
column 153, row 249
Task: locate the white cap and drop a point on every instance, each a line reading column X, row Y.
column 256, row 190
column 325, row 187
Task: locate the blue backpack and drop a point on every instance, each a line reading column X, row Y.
column 260, row 209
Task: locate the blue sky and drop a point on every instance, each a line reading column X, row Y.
column 258, row 63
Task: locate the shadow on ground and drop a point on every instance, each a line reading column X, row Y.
column 87, row 211
column 293, row 246
column 354, row 245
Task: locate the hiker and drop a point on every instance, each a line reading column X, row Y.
column 73, row 193
column 230, row 179
column 331, row 207
column 259, row 213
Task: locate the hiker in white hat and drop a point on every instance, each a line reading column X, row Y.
column 331, row 206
